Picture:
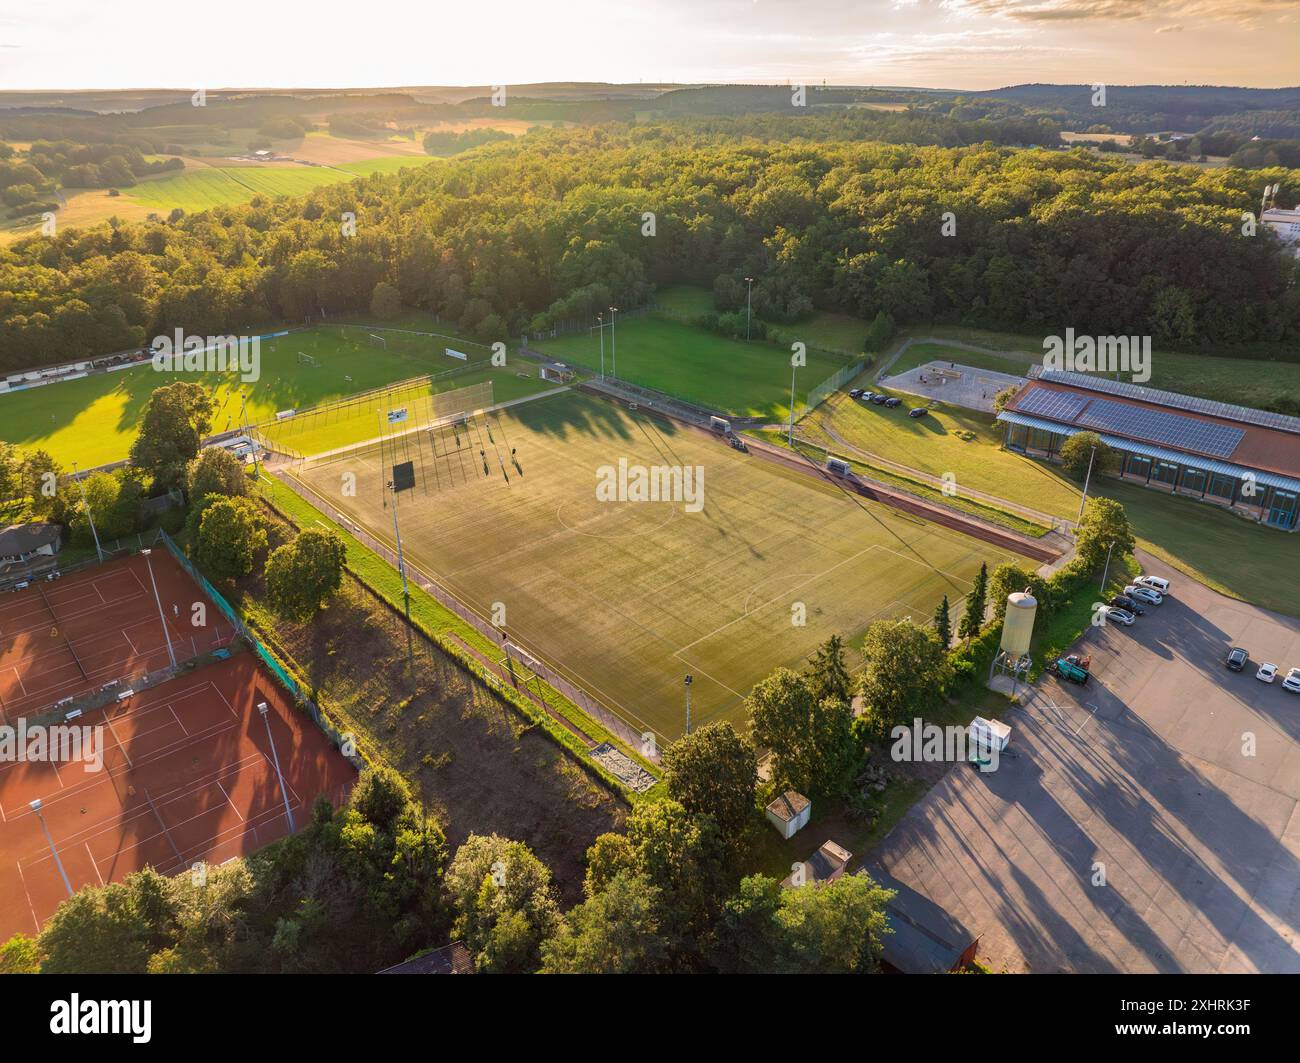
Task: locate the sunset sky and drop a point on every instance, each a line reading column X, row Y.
column 941, row 43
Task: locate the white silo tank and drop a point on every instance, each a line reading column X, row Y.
column 1018, row 627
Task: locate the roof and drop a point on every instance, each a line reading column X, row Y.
column 450, row 959
column 926, row 939
column 825, row 865
column 1253, row 440
column 24, row 538
column 788, row 805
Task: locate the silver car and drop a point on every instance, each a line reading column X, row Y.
column 1144, row 594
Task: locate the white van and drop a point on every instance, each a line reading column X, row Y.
column 1154, row 583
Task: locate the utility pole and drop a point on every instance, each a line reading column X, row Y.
column 749, row 305
column 600, row 324
column 89, row 515
column 613, row 342
column 406, row 591
column 793, row 370
column 243, row 418
column 689, row 680
column 1086, row 481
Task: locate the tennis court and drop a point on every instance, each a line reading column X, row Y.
column 188, row 775
column 67, row 638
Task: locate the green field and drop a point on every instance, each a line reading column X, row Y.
column 200, row 189
column 93, row 420
column 829, row 331
column 745, row 379
column 628, row 597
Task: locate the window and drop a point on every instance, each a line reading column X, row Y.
column 1193, row 480
column 1017, row 436
column 1165, row 472
column 1223, row 486
column 1040, row 439
column 1138, row 466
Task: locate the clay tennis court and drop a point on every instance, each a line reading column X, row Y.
column 188, row 775
column 66, row 638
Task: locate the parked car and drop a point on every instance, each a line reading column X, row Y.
column 1120, row 616
column 1160, row 586
column 891, row 402
column 1292, row 681
column 868, row 396
column 880, row 400
column 738, row 444
column 1123, row 601
column 919, row 411
column 856, row 393
column 1144, row 594
column 1266, row 673
column 1237, row 658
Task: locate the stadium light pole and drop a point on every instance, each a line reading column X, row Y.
column 793, row 370
column 243, row 417
column 749, row 305
column 406, row 590
column 36, row 807
column 148, row 560
column 600, row 325
column 613, row 342
column 89, row 516
column 1106, row 570
column 1086, row 481
column 265, row 710
column 689, row 680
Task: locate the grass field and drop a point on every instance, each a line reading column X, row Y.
column 745, row 379
column 829, row 331
column 93, row 420
column 628, row 598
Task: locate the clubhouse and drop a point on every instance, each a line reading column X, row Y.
column 1243, row 459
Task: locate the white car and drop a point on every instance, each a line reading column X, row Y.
column 1143, row 594
column 1155, row 583
column 1292, row 681
column 1120, row 616
column 1266, row 673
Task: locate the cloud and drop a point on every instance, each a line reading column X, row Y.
column 1245, row 12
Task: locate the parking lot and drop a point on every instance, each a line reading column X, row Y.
column 1149, row 820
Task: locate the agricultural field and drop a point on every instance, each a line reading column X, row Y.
column 93, row 420
column 744, row 379
column 628, row 598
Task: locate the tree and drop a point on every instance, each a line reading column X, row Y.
column 943, row 623
column 906, row 671
column 821, row 928
column 1008, row 578
column 20, row 955
column 108, row 929
column 1077, row 452
column 232, row 532
column 812, row 741
column 1104, row 527
column 38, row 480
column 714, row 772
column 504, row 903
column 175, row 420
column 1004, row 396
column 614, row 932
column 827, row 675
column 301, row 574
column 216, row 471
column 976, row 601
column 113, row 499
column 879, row 333
column 386, row 301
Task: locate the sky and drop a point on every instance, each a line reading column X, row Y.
column 961, row 44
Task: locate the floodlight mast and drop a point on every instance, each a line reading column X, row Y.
column 689, row 680
column 401, row 568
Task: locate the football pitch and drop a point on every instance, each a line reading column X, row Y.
column 627, row 597
column 745, row 379
column 93, row 420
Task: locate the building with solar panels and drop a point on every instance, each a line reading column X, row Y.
column 1234, row 456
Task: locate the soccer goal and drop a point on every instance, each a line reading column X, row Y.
column 378, row 341
column 307, row 359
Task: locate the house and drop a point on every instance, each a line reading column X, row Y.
column 788, row 813
column 925, row 938
column 1243, row 459
column 28, row 550
column 1286, row 223
column 825, row 865
column 450, row 959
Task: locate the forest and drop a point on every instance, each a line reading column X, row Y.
column 522, row 235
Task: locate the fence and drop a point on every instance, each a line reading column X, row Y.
column 828, row 387
column 345, row 743
column 583, row 324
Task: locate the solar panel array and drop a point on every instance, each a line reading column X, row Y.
column 1263, row 418
column 1058, row 405
column 1155, row 426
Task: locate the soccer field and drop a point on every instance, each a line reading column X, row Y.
column 93, row 420
column 745, row 379
column 626, row 597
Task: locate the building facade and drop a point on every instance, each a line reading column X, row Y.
column 1243, row 459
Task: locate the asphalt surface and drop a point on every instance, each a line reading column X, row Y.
column 1149, row 822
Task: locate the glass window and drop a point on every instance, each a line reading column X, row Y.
column 1165, row 472
column 1222, row 486
column 1139, row 466
column 1193, row 480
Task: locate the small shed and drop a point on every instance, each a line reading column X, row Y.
column 789, row 813
column 825, row 865
column 450, row 959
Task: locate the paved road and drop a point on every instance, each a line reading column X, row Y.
column 1147, row 773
